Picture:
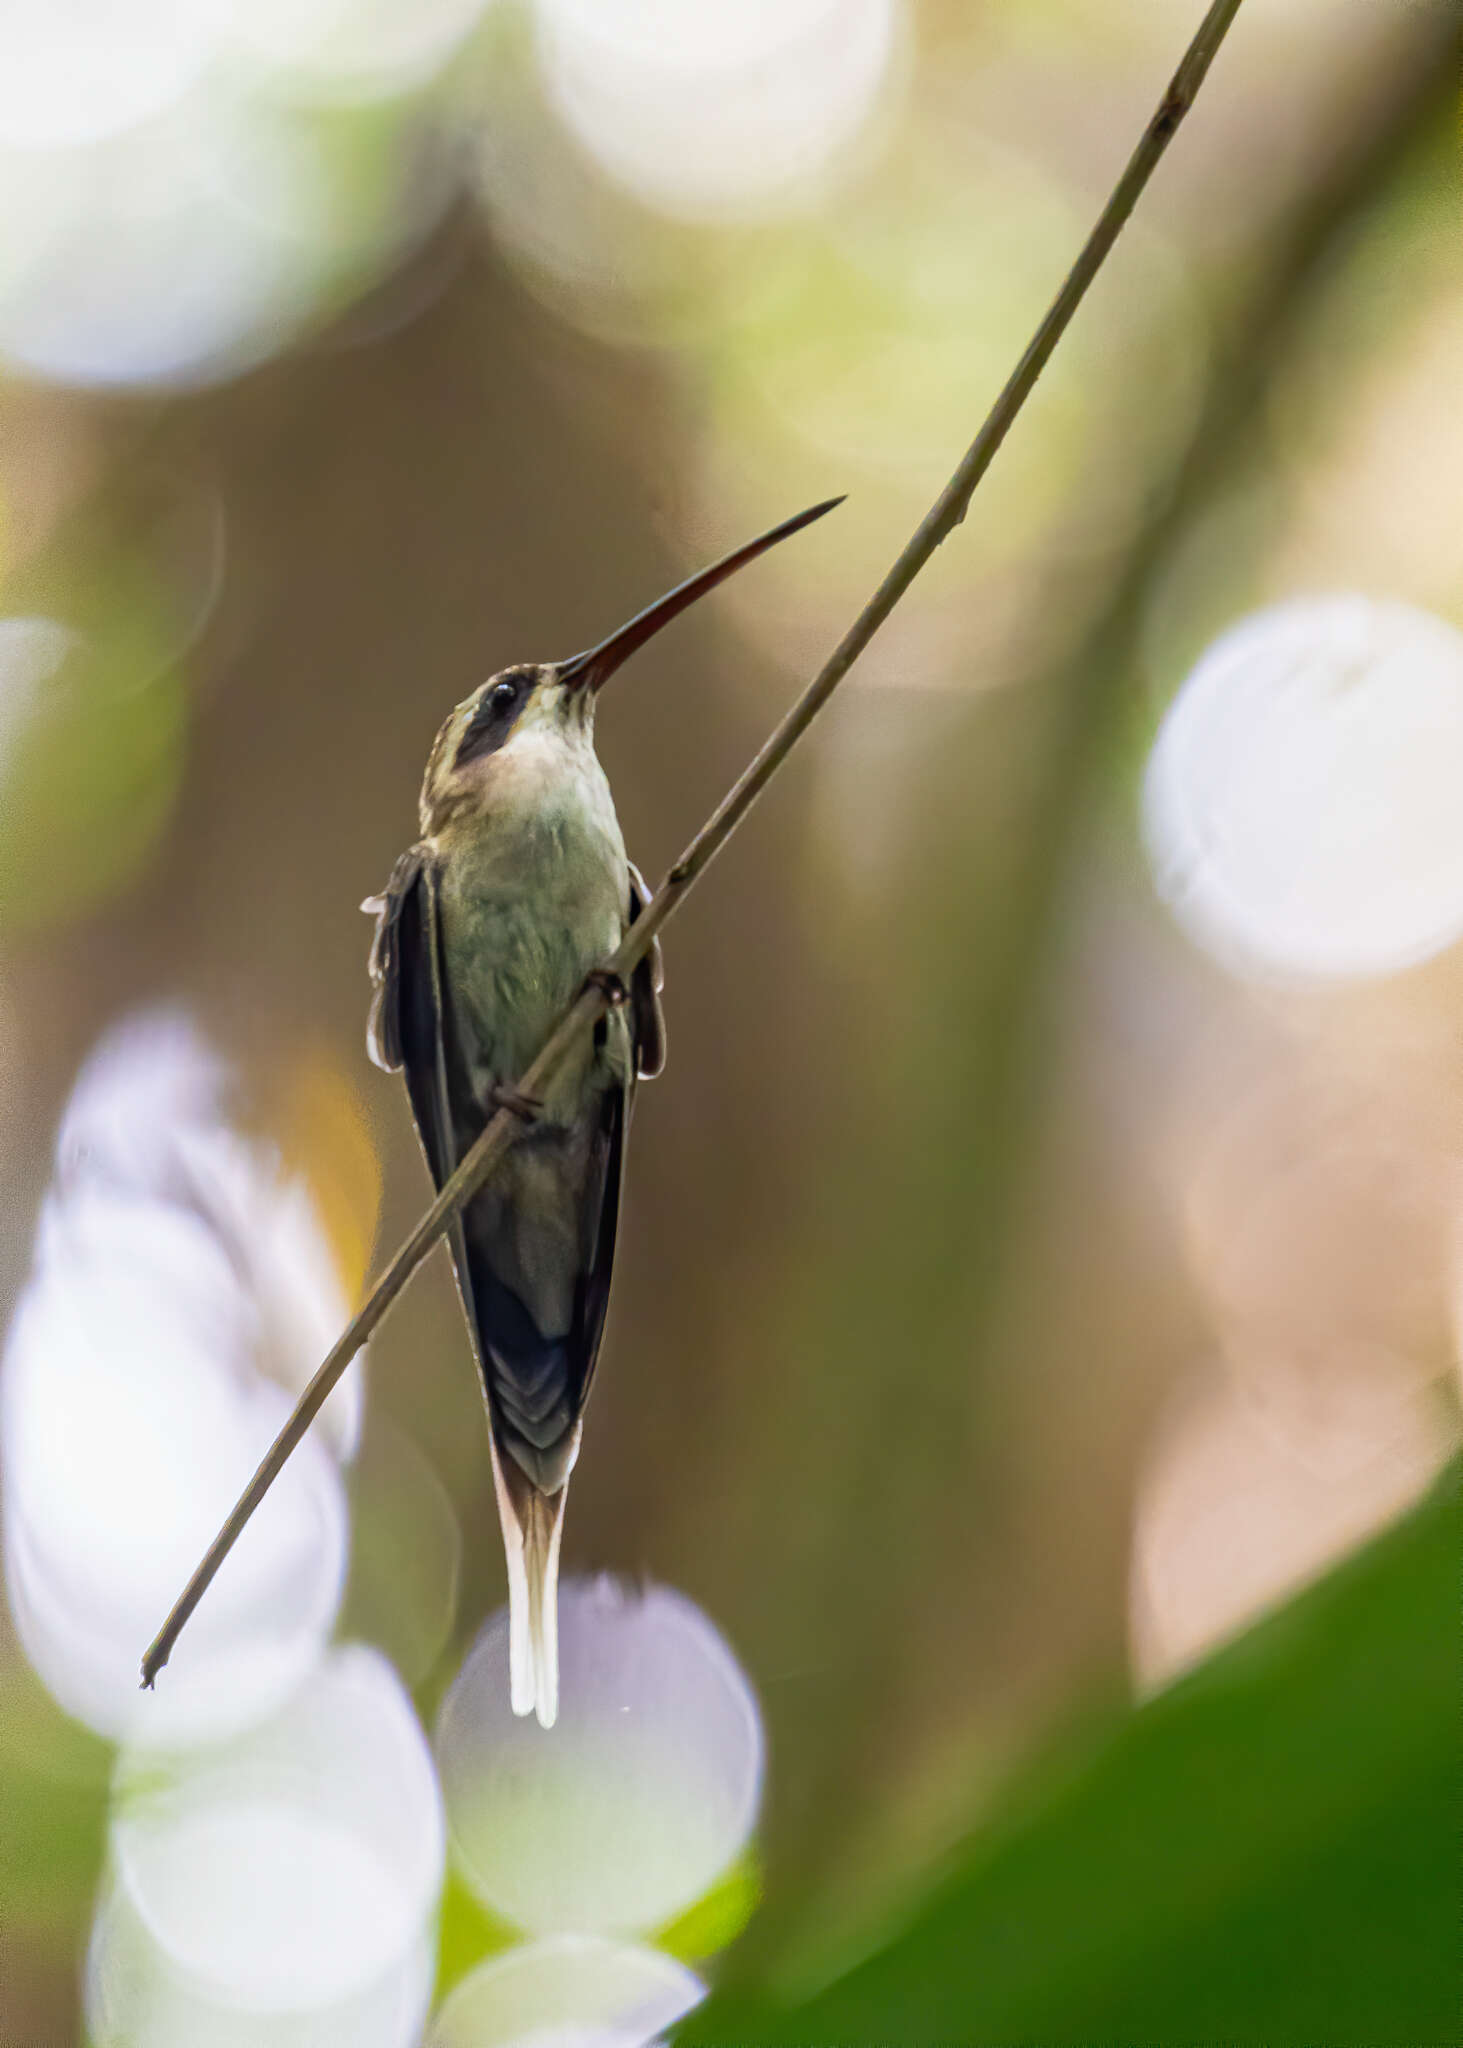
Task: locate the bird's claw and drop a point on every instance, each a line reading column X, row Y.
column 610, row 985
column 527, row 1108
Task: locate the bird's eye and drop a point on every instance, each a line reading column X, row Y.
column 493, row 718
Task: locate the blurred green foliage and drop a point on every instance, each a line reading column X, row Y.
column 53, row 1802
column 1266, row 1852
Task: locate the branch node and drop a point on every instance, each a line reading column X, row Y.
column 527, row 1108
column 1175, row 104
column 610, row 985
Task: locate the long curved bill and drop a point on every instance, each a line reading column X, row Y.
column 594, row 669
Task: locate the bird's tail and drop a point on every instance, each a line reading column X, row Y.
column 533, row 1522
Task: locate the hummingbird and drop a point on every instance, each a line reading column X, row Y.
column 516, row 893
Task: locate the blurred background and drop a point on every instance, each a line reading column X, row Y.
column 1041, row 1257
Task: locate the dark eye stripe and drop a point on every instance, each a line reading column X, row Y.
column 494, row 717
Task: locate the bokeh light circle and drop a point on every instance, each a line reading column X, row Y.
column 136, row 1996
column 1301, row 801
column 569, row 1991
column 627, row 1811
column 196, row 243
column 73, row 70
column 151, row 256
column 147, row 1122
column 710, row 107
column 126, row 1436
column 134, row 1403
column 291, row 1866
column 285, row 1882
column 350, row 49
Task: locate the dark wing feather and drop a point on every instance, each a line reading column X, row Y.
column 383, row 1029
column 405, row 1025
column 537, row 1382
column 593, row 1303
column 406, row 1031
column 647, row 1023
column 646, row 983
column 541, row 1384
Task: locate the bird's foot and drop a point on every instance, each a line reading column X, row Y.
column 527, row 1108
column 610, row 985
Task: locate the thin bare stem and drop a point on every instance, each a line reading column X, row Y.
column 944, row 516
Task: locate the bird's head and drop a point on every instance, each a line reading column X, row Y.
column 469, row 752
column 523, row 705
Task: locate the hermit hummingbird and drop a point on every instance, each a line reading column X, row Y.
column 517, row 892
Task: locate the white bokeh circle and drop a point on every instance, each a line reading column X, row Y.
column 184, row 248
column 626, row 1812
column 194, row 244
column 710, row 107
column 349, row 50
column 125, row 1438
column 147, row 1123
column 281, row 1888
column 135, row 1996
column 174, row 1269
column 74, row 70
column 1301, row 802
column 569, row 1991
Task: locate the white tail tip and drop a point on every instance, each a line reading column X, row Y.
column 533, row 1523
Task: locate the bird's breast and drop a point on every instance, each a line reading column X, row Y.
column 532, row 897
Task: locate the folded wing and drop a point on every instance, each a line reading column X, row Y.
column 533, row 1250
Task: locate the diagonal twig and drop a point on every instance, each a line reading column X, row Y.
column 941, row 520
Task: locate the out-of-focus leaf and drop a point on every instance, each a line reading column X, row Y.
column 1266, row 1853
